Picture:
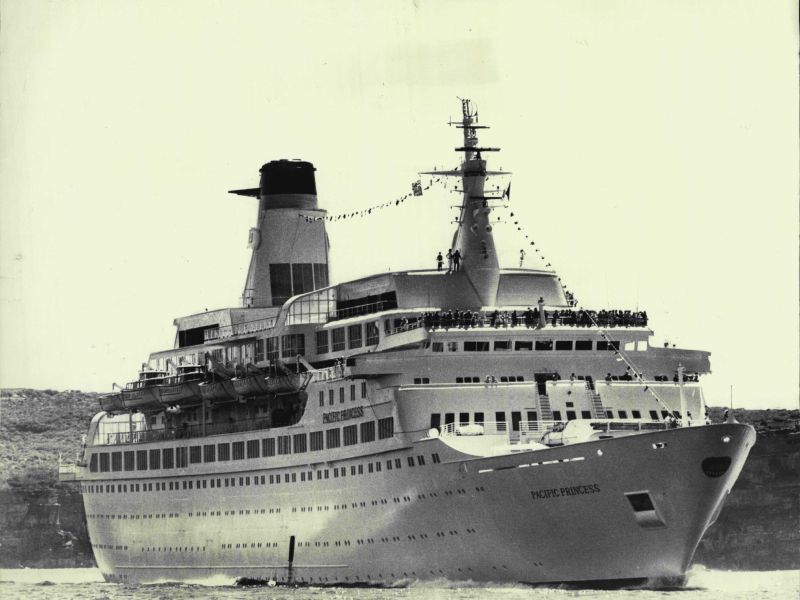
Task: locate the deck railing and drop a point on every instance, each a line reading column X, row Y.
column 227, row 331
column 181, row 433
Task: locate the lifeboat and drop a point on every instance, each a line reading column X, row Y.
column 184, row 388
column 137, row 395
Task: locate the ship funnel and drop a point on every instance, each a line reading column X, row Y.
column 289, row 243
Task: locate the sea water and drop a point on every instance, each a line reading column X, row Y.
column 88, row 584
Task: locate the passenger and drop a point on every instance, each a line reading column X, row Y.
column 514, row 319
column 675, row 379
column 457, row 260
column 572, row 377
column 439, row 261
column 450, row 261
column 608, row 378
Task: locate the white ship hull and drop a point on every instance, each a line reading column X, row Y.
column 465, row 518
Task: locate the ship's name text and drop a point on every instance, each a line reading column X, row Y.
column 343, row 415
column 575, row 490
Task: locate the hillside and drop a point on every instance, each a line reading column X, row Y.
column 42, row 523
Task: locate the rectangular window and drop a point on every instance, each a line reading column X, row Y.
column 103, row 462
column 436, row 420
column 280, row 278
column 322, row 342
column 292, row 345
column 141, row 460
column 570, row 415
column 463, row 418
column 500, row 419
column 526, row 346
column 260, row 354
column 544, row 345
column 337, row 341
column 268, row 446
column 322, row 397
column 180, row 458
column 238, row 450
column 367, row 432
column 636, row 414
column 449, row 418
column 373, row 333
column 476, row 346
column 452, row 346
column 195, row 454
column 623, row 414
column 363, row 389
column 354, row 336
column 302, row 278
column 385, row 428
column 223, row 452
column 320, row 276
column 300, row 443
column 333, row 438
column 316, row 441
column 585, row 414
column 253, row 449
column 284, row 444
column 556, row 415
column 502, row 345
column 352, row 393
column 155, row 459
column 350, row 434
column 130, row 459
column 341, row 395
column 209, row 453
column 532, row 416
column 654, row 415
column 116, row 461
column 437, row 347
column 563, row 344
column 583, row 344
column 169, row 458
column 331, row 397
column 410, row 461
column 272, row 349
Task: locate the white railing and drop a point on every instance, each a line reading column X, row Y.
column 227, row 331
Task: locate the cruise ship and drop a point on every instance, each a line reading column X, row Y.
column 471, row 422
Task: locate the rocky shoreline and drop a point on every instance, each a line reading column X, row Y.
column 43, row 525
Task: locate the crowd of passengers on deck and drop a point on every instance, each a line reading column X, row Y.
column 529, row 318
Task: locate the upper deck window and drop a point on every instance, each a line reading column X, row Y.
column 525, row 346
column 338, row 339
column 354, row 334
column 476, row 346
column 373, row 333
column 583, row 344
column 544, row 345
column 322, row 342
column 502, row 345
column 563, row 344
column 319, row 307
column 292, row 345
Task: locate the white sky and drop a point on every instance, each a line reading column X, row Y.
column 654, row 147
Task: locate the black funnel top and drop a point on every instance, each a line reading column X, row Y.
column 288, row 177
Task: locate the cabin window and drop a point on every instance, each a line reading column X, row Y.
column 260, row 355
column 452, row 346
column 585, row 414
column 532, row 416
column 209, row 453
column 654, row 415
column 116, row 461
column 350, row 435
column 341, row 395
column 292, row 345
column 583, row 344
column 556, row 415
column 284, row 444
column 181, row 458
column 322, row 342
column 322, row 397
column 386, row 428
column 272, row 349
column 367, row 432
column 169, row 458
column 437, row 347
column 268, row 447
column 516, row 417
column 623, row 414
column 373, row 333
column 330, row 397
column 436, row 420
column 636, row 414
column 476, row 346
column 354, row 335
column 300, row 443
column 463, row 418
column 223, row 452
column 316, row 441
column 459, row 380
column 410, row 461
column 363, row 389
column 195, row 454
column 563, row 344
column 502, row 345
column 155, row 459
column 500, row 418
column 93, row 463
column 664, row 414
column 609, row 414
column 479, row 418
column 524, row 346
column 253, row 449
column 333, row 438
column 129, row 457
column 544, row 345
column 338, row 339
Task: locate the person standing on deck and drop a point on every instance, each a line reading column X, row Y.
column 439, row 261
column 457, row 260
column 450, row 260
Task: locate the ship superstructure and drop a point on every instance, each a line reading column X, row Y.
column 410, row 425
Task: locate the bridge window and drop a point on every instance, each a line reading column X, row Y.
column 636, row 414
column 654, row 415
column 280, row 278
column 516, row 417
column 479, row 418
column 436, row 420
column 322, row 342
column 338, row 339
column 532, row 416
column 463, row 418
